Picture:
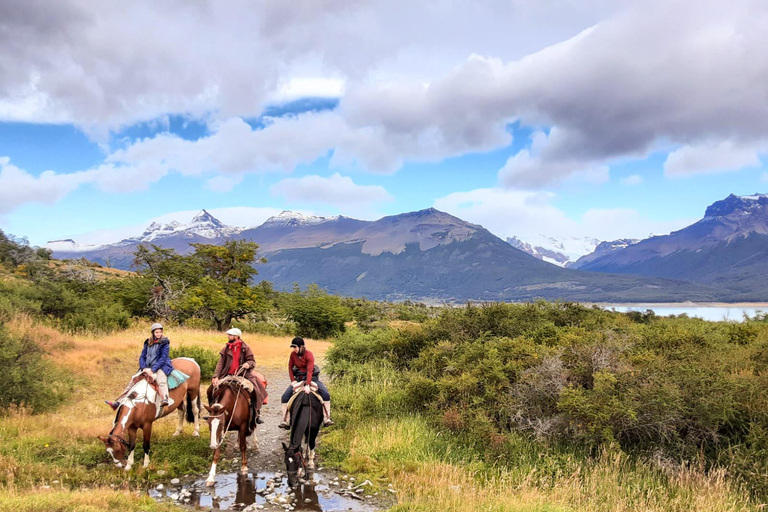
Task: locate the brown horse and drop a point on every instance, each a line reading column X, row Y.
column 231, row 412
column 141, row 408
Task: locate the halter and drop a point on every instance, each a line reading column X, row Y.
column 302, row 462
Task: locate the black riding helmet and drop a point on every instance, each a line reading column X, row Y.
column 297, row 342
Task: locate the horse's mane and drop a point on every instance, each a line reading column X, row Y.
column 233, row 383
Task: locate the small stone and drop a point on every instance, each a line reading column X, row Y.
column 175, row 481
column 307, row 500
column 160, row 472
column 160, row 487
column 55, row 482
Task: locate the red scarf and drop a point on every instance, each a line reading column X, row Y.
column 235, row 347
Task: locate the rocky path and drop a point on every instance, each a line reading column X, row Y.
column 266, row 487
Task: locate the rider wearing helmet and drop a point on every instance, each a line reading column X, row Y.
column 301, row 367
column 235, row 357
column 154, row 362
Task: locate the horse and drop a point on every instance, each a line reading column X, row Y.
column 231, row 411
column 141, row 408
column 306, row 420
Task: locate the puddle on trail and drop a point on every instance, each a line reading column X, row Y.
column 265, row 491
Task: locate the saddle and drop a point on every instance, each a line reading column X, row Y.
column 297, row 391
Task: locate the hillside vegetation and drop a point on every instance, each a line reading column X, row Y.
column 558, row 404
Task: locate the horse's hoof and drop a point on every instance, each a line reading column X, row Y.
column 244, row 470
column 177, row 433
column 210, row 483
column 127, row 468
column 196, row 434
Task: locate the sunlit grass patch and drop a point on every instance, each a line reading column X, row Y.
column 94, row 500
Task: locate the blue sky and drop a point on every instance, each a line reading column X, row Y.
column 549, row 119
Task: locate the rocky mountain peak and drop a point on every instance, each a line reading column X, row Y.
column 733, row 204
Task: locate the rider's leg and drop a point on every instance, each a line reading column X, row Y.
column 284, row 408
column 323, row 392
column 162, row 383
column 116, row 403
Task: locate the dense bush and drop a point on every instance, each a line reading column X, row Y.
column 205, row 357
column 563, row 373
column 29, row 380
column 316, row 313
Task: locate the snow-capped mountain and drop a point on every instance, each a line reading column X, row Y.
column 69, row 245
column 561, row 251
column 294, row 219
column 202, row 225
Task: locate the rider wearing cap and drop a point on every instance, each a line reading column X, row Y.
column 154, row 362
column 301, row 367
column 237, row 358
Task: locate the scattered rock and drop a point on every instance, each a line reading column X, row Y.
column 175, row 481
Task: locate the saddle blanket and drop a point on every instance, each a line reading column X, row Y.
column 176, row 379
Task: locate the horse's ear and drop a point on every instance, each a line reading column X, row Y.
column 103, row 439
column 207, row 408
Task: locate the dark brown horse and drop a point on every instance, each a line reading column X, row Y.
column 231, row 412
column 141, row 408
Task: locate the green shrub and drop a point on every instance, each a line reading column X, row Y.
column 29, row 380
column 205, row 357
column 316, row 313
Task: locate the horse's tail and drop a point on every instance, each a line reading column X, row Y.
column 190, row 414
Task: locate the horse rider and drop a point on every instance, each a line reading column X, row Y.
column 235, row 357
column 153, row 362
column 301, row 366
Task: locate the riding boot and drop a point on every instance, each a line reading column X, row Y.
column 327, row 421
column 286, row 424
column 256, row 412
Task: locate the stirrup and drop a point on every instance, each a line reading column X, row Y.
column 328, row 422
column 284, row 425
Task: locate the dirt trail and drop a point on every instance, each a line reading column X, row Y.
column 266, row 487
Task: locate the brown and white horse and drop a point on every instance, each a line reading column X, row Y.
column 231, row 412
column 142, row 408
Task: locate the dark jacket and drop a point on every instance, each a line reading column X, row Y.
column 225, row 361
column 163, row 361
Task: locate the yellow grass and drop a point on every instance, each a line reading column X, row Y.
column 94, row 500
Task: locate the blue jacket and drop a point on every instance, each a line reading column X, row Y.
column 163, row 362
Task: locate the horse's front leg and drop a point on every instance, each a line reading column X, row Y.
column 311, row 448
column 243, row 449
column 147, row 438
column 212, row 473
column 131, row 447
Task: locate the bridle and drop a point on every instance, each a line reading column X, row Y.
column 234, row 408
column 302, row 463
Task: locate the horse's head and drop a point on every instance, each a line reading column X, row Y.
column 217, row 420
column 294, row 464
column 117, row 447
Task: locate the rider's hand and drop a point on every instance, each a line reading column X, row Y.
column 295, row 384
column 245, row 366
column 147, row 371
column 306, row 389
column 215, row 381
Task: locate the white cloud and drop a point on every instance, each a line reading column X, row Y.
column 336, row 190
column 711, row 157
column 527, row 215
column 632, row 180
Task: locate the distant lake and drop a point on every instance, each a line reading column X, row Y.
column 713, row 313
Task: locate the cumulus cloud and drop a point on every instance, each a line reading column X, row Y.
column 711, row 157
column 102, row 66
column 336, row 190
column 529, row 214
column 18, row 187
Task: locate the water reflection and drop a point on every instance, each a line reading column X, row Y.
column 237, row 492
